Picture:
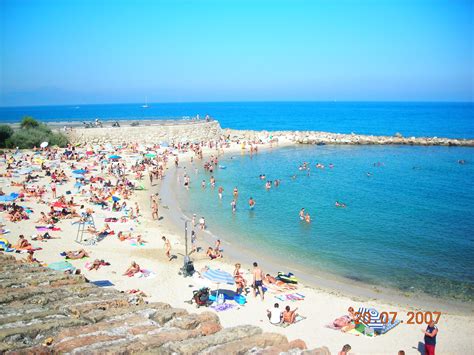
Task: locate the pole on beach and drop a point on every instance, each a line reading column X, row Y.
column 186, row 237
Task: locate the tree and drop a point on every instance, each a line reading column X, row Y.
column 5, row 132
column 29, row 122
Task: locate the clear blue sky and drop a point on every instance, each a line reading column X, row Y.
column 77, row 52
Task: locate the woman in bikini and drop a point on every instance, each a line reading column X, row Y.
column 239, row 280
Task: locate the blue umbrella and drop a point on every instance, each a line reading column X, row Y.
column 219, row 276
column 9, row 198
column 115, row 198
column 371, row 318
column 115, row 157
column 80, row 171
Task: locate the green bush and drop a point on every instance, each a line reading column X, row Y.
column 29, row 122
column 33, row 133
column 5, row 132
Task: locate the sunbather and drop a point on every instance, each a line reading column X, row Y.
column 270, row 280
column 132, row 270
column 77, row 254
column 97, row 264
column 22, row 243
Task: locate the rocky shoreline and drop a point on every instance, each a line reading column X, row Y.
column 322, row 138
column 49, row 312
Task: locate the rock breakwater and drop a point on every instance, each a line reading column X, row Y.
column 48, row 312
column 316, row 137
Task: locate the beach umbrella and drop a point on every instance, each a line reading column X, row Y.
column 25, row 171
column 219, row 277
column 114, row 157
column 115, row 198
column 80, row 171
column 8, row 198
column 44, row 144
column 371, row 318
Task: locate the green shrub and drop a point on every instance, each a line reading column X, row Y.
column 29, row 122
column 5, row 132
column 32, row 133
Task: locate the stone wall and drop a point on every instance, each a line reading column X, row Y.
column 147, row 133
column 49, row 312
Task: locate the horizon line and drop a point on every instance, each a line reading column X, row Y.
column 243, row 101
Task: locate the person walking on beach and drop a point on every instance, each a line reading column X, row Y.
column 257, row 281
column 154, row 209
column 430, row 338
column 167, row 247
column 53, row 189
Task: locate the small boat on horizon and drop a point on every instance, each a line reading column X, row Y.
column 146, row 103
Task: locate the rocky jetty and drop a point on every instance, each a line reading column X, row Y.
column 322, row 138
column 46, row 312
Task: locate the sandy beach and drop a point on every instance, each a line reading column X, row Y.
column 320, row 306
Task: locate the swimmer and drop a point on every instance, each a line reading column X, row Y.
column 369, row 174
column 307, row 218
column 220, row 191
column 203, row 184
column 236, row 193
column 340, row 204
column 302, row 214
column 268, row 185
column 251, row 203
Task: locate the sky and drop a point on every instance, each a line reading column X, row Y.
column 55, row 52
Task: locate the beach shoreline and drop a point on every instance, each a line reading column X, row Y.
column 323, row 281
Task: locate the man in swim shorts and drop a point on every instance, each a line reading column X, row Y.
column 257, row 281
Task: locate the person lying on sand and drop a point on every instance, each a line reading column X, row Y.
column 288, row 315
column 270, row 280
column 97, row 264
column 41, row 237
column 132, row 270
column 76, row 254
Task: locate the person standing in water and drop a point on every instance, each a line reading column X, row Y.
column 233, row 204
column 220, row 191
column 302, row 214
column 236, row 193
column 251, row 203
column 307, row 218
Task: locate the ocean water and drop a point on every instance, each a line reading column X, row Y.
column 455, row 120
column 409, row 225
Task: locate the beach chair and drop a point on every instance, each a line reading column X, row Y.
column 374, row 324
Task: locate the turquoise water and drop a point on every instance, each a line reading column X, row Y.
column 441, row 119
column 410, row 225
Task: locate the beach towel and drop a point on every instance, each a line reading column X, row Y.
column 47, row 228
column 290, row 297
column 102, row 283
column 223, row 307
column 298, row 318
column 61, row 266
column 146, row 273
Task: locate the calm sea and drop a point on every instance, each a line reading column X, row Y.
column 408, row 225
column 454, row 120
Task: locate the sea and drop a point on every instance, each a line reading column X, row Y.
column 408, row 223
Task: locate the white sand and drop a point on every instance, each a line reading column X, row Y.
column 320, row 307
